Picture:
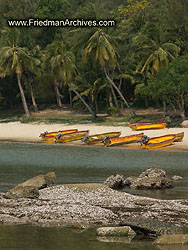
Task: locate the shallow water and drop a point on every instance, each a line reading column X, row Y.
column 74, row 164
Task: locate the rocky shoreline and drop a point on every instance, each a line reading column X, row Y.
column 88, row 205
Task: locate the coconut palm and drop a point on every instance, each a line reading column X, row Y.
column 14, row 60
column 156, row 53
column 100, row 49
column 53, row 50
column 64, row 69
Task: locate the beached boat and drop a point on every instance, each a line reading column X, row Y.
column 71, row 136
column 157, row 142
column 109, row 142
column 148, row 125
column 92, row 139
column 49, row 136
column 179, row 137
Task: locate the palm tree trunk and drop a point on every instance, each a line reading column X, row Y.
column 164, row 109
column 115, row 100
column 58, row 96
column 110, row 100
column 33, row 98
column 70, row 98
column 23, row 96
column 119, row 92
column 80, row 97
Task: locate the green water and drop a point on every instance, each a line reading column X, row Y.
column 75, row 164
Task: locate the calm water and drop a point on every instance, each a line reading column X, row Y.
column 73, row 164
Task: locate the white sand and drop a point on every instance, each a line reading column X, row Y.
column 16, row 131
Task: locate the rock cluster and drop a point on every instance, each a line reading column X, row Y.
column 92, row 204
column 30, row 188
column 152, row 178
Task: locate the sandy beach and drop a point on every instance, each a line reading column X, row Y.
column 19, row 132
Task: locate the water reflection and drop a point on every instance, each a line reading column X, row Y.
column 32, row 238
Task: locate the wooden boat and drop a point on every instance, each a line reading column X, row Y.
column 109, row 142
column 92, row 139
column 50, row 136
column 149, row 125
column 157, row 142
column 179, row 137
column 71, row 136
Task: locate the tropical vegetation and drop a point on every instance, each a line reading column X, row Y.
column 140, row 62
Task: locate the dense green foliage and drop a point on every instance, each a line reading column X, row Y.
column 139, row 62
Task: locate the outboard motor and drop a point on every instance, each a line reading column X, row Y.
column 43, row 134
column 106, row 139
column 85, row 138
column 59, row 135
column 144, row 139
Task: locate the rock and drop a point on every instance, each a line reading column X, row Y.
column 150, row 227
column 152, row 183
column 30, row 188
column 115, row 231
column 50, row 178
column 153, row 172
column 128, row 181
column 115, row 181
column 40, row 181
column 152, row 178
column 184, row 124
column 23, row 192
column 167, row 239
column 177, row 178
column 111, row 239
column 10, row 220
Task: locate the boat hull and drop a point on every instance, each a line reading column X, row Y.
column 179, row 137
column 93, row 139
column 50, row 136
column 159, row 142
column 71, row 136
column 146, row 126
column 123, row 140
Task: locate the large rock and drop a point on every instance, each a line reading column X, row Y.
column 40, row 181
column 152, row 183
column 184, row 124
column 115, row 181
column 23, row 192
column 30, row 188
column 129, row 180
column 171, row 239
column 153, row 172
column 152, row 178
column 150, row 227
column 115, row 231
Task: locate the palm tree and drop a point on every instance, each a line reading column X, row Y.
column 103, row 53
column 14, row 59
column 53, row 50
column 64, row 69
column 156, row 54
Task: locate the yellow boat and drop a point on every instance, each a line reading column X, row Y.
column 50, row 136
column 157, row 142
column 144, row 126
column 71, row 136
column 109, row 142
column 92, row 139
column 179, row 137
